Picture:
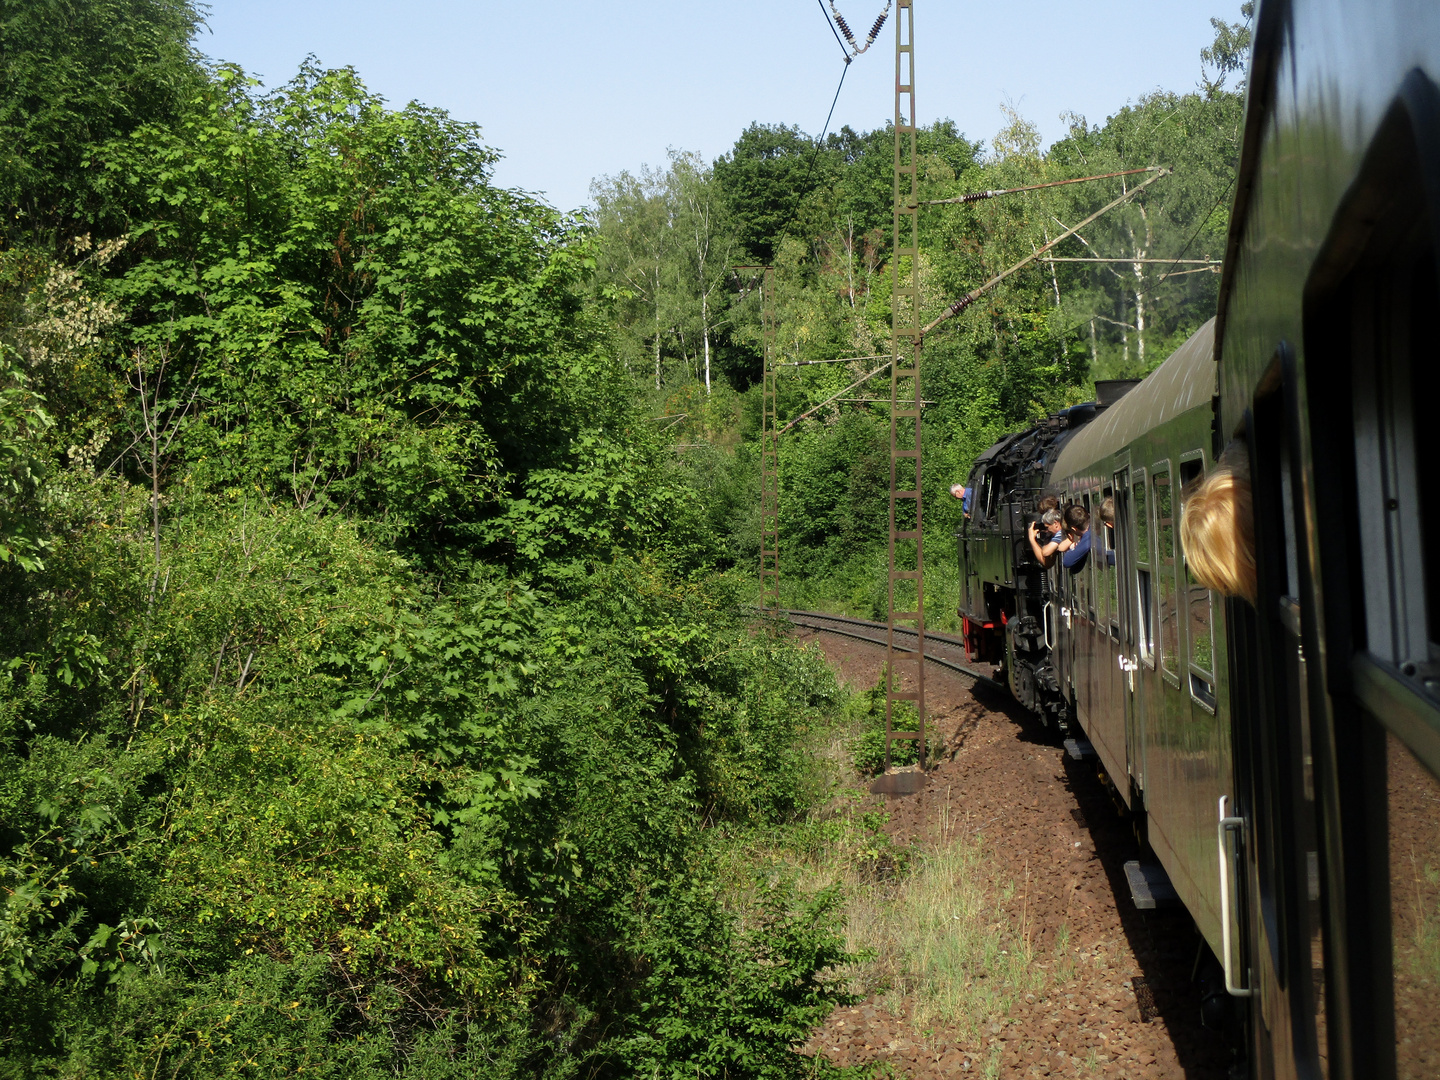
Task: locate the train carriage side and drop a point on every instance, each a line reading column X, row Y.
column 1329, row 371
column 1147, row 690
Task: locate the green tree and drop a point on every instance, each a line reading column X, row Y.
column 763, row 180
column 1229, row 52
column 365, row 321
column 637, row 254
column 705, row 246
column 73, row 75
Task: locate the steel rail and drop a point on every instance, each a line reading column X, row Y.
column 797, row 618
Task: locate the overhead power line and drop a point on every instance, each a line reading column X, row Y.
column 976, row 196
column 843, row 50
column 1172, row 262
column 874, row 29
column 1205, row 220
column 811, row 411
column 975, row 294
column 837, row 360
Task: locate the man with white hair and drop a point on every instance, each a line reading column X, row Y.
column 964, row 494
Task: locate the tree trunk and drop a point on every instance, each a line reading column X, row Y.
column 705, row 333
column 1139, row 325
column 1139, row 268
column 1124, row 334
column 1054, row 278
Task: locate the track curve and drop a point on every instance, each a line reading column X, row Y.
column 936, row 645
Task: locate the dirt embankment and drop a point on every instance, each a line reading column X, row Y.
column 1110, row 991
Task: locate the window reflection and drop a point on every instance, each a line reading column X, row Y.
column 1165, row 575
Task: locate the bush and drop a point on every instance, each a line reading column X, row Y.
column 867, row 746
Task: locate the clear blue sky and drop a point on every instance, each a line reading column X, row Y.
column 570, row 90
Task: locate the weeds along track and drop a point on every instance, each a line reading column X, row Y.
column 940, row 649
column 1010, row 946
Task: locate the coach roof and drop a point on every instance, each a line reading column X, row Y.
column 1183, row 382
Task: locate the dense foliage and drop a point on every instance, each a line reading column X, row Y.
column 368, row 689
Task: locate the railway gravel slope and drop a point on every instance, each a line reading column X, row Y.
column 1118, row 999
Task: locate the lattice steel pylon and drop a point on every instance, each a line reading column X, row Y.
column 906, row 586
column 769, row 455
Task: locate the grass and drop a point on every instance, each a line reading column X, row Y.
column 934, row 944
column 923, row 922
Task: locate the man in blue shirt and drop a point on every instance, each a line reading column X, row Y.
column 1074, row 559
column 1077, row 527
column 964, row 494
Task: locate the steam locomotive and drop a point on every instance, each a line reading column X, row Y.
column 1279, row 757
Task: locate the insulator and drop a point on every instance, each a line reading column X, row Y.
column 844, row 29
column 875, row 30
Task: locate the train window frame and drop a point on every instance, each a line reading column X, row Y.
column 1395, row 669
column 1084, row 609
column 1201, row 679
column 1373, row 250
column 1144, row 578
column 986, row 503
column 1087, row 571
column 1162, row 576
column 1102, row 595
column 1108, row 561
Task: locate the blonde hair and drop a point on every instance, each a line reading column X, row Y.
column 1217, row 527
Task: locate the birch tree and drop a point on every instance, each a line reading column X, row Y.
column 636, row 219
column 705, row 246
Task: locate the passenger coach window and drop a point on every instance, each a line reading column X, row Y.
column 1165, row 573
column 1395, row 381
column 1108, row 564
column 1202, row 633
column 1145, row 634
column 1092, row 598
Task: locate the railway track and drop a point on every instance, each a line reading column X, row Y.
column 940, row 649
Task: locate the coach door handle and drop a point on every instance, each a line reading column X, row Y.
column 1227, row 825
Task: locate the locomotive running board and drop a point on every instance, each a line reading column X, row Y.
column 1150, row 886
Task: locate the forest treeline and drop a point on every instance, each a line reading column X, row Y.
column 379, row 696
column 689, row 324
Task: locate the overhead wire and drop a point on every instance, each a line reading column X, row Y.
column 1169, row 270
column 844, row 51
column 820, row 142
column 800, row 192
column 974, row 294
column 977, row 196
column 825, row 130
column 1203, row 222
